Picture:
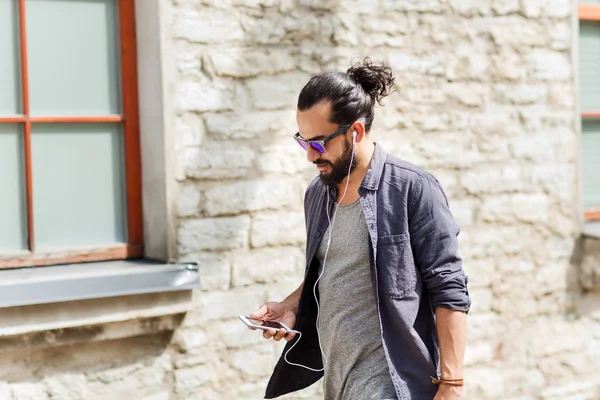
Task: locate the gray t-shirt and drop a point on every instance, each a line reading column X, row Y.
column 348, row 323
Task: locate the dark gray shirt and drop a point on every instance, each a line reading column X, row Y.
column 415, row 268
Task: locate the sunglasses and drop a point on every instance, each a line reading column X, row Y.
column 319, row 145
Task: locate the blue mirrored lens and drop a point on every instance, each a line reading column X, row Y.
column 317, row 147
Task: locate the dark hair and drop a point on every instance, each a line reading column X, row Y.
column 352, row 94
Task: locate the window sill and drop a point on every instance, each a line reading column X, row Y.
column 97, row 301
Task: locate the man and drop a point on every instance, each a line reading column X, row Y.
column 382, row 309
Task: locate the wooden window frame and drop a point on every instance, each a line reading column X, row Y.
column 130, row 120
column 590, row 12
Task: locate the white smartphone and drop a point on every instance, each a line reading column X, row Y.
column 265, row 325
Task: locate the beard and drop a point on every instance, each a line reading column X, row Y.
column 339, row 168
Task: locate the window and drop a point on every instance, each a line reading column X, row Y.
column 589, row 72
column 70, row 171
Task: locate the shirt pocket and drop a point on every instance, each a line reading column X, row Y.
column 397, row 275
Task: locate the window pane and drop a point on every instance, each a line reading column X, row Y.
column 591, row 163
column 10, row 80
column 77, row 185
column 13, row 214
column 589, row 65
column 73, row 57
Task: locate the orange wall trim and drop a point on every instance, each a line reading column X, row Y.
column 589, row 12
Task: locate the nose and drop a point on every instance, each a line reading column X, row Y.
column 312, row 154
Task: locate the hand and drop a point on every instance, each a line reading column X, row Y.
column 447, row 392
column 279, row 312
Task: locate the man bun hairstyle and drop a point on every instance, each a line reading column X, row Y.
column 352, row 94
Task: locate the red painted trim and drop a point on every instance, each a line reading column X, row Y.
column 133, row 163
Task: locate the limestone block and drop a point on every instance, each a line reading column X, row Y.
column 561, row 96
column 407, row 62
column 509, row 64
column 572, row 390
column 249, row 125
column 520, row 94
column 547, row 65
column 246, row 63
column 424, row 6
column 285, row 158
column 189, row 340
column 67, row 386
column 503, row 7
column 188, row 200
column 253, row 363
column 190, row 131
column 464, row 210
column 265, row 265
column 481, row 300
column 204, row 95
column 213, row 234
column 480, row 272
column 533, row 208
column 219, row 160
column 162, row 395
column 480, row 325
column 236, row 335
column 255, row 195
column 276, row 92
column 550, row 8
column 484, row 383
column 207, row 25
column 560, row 35
column 468, row 94
column 277, row 228
column 190, row 380
column 471, row 8
column 28, row 391
column 467, row 62
column 513, row 32
column 524, row 380
column 231, row 303
column 478, row 353
column 215, row 269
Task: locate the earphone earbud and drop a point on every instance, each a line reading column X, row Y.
column 354, row 133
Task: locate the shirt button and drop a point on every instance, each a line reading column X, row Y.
column 318, row 234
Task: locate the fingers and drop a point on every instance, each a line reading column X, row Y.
column 290, row 336
column 269, row 334
column 260, row 313
column 280, row 334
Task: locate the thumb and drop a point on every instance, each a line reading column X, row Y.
column 261, row 312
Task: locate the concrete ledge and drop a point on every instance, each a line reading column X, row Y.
column 96, row 280
column 89, row 313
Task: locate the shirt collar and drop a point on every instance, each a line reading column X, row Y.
column 373, row 175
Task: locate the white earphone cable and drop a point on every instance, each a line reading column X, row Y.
column 331, row 224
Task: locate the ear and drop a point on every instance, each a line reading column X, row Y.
column 359, row 128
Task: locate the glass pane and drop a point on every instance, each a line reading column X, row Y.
column 13, row 212
column 591, row 163
column 10, row 77
column 589, row 65
column 73, row 57
column 78, row 185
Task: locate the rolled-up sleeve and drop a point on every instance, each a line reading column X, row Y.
column 434, row 242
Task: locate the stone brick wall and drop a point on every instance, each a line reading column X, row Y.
column 486, row 101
